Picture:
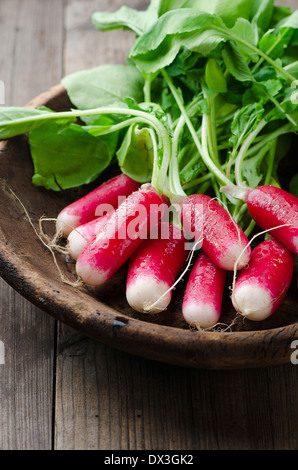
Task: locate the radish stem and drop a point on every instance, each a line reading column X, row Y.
column 242, row 152
column 204, row 153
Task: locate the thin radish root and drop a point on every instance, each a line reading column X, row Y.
column 260, row 289
column 253, row 310
column 190, row 256
column 218, row 327
column 47, row 243
column 53, row 242
column 264, row 232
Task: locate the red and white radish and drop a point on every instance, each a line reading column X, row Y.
column 84, row 209
column 202, row 301
column 261, row 287
column 78, row 238
column 223, row 241
column 123, row 233
column 153, row 269
column 271, row 207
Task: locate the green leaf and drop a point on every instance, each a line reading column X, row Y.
column 195, row 30
column 287, row 107
column 223, row 108
column 251, row 170
column 135, row 156
column 262, row 12
column 248, row 33
column 254, row 94
column 169, row 104
column 206, row 42
column 100, row 127
column 290, row 56
column 126, row 18
column 276, row 41
column 272, row 87
column 105, row 85
column 66, row 159
column 167, row 5
column 279, row 14
column 290, row 21
column 265, row 86
column 214, row 76
column 293, row 68
column 193, row 168
column 228, row 11
column 200, row 32
column 17, row 120
column 244, row 121
column 235, row 63
column 274, row 44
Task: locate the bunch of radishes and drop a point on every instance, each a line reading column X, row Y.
column 131, row 227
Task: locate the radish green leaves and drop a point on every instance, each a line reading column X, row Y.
column 208, row 97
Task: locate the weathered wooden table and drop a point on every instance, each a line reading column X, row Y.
column 61, row 390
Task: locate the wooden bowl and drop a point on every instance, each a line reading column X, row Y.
column 103, row 314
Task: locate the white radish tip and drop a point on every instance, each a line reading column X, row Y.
column 90, row 276
column 235, row 256
column 76, row 244
column 253, row 302
column 65, row 223
column 200, row 316
column 146, row 295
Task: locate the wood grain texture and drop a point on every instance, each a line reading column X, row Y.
column 110, row 400
column 30, row 61
column 104, row 398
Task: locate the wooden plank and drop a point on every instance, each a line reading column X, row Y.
column 125, row 402
column 27, row 375
column 31, row 47
column 30, row 62
column 110, row 400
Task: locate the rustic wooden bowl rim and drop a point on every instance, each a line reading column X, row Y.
column 182, row 347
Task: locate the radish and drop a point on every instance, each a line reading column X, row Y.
column 153, row 269
column 202, row 301
column 123, row 233
column 84, row 209
column 223, row 241
column 78, row 238
column 261, row 287
column 271, row 207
